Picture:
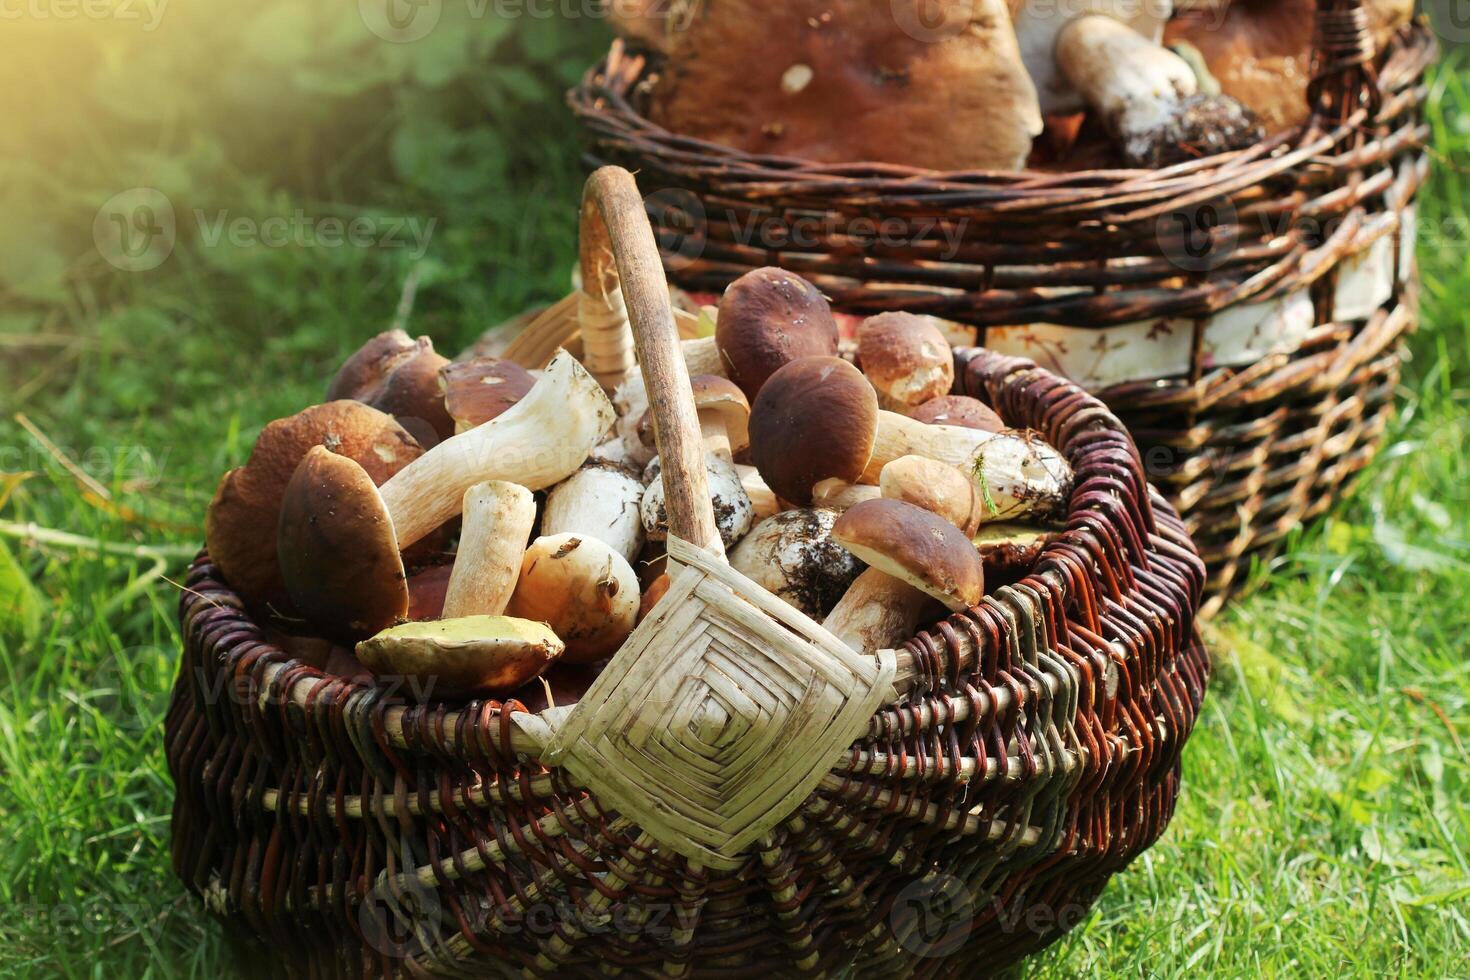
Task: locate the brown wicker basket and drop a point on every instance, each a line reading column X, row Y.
column 1241, row 313
column 737, row 794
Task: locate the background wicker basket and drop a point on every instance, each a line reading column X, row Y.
column 1249, row 307
column 1020, row 753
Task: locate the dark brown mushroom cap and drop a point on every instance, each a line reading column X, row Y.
column 906, row 357
column 721, row 395
column 362, row 375
column 479, row 390
column 339, row 556
column 960, row 410
column 426, row 592
column 240, row 525
column 914, row 545
column 768, row 318
column 411, row 393
column 814, row 420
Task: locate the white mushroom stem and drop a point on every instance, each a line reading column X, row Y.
column 840, row 495
column 538, row 442
column 599, row 501
column 1134, row 84
column 762, row 497
column 701, row 356
column 498, row 518
column 938, row 488
column 715, row 434
column 1017, row 472
column 877, row 613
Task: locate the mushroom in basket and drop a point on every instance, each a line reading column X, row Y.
column 1106, row 55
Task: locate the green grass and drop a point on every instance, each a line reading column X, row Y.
column 1323, row 828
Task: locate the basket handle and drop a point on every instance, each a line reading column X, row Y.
column 613, row 215
column 1343, row 52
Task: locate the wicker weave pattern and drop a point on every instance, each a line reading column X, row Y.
column 1245, row 450
column 340, row 830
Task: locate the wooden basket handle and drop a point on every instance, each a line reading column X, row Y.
column 612, row 212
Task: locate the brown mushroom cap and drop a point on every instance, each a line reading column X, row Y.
column 463, row 658
column 722, row 396
column 815, row 419
column 411, row 393
column 917, row 547
column 960, row 410
column 240, row 525
column 768, row 318
column 362, row 375
column 919, row 83
column 479, row 390
column 339, row 556
column 906, row 357
column 426, row 592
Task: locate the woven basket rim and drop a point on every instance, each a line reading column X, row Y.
column 606, row 98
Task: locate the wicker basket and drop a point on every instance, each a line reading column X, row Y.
column 1241, row 313
column 738, row 793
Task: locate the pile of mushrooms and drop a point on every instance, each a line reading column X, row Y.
column 972, row 84
column 471, row 526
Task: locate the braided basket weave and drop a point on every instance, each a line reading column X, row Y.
column 1241, row 313
column 738, row 793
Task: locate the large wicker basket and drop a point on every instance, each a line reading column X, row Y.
column 738, row 794
column 1242, row 313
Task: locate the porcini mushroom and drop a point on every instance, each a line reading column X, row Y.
column 498, row 518
column 793, row 556
column 958, row 410
column 768, row 318
column 463, row 658
column 818, row 419
column 601, row 501
column 916, row 547
column 914, row 556
column 907, row 359
column 1107, row 54
column 935, row 84
column 401, row 377
column 938, row 488
column 1010, row 551
column 339, row 558
column 734, row 513
column 478, row 390
column 240, row 525
column 538, row 442
column 584, row 590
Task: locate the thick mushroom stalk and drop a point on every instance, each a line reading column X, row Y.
column 538, row 442
column 1148, row 96
column 498, row 518
column 601, row 501
column 734, row 511
column 877, row 613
